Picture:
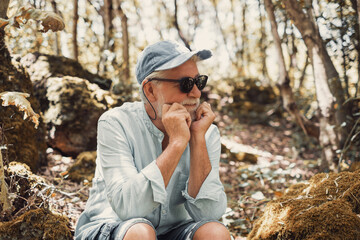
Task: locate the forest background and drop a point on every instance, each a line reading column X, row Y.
column 292, row 66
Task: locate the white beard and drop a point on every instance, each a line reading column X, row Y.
column 192, row 110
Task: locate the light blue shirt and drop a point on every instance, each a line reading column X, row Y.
column 128, row 183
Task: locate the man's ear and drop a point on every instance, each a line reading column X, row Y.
column 149, row 90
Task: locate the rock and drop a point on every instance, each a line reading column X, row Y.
column 327, row 207
column 42, row 66
column 253, row 101
column 74, row 107
column 239, row 154
column 83, row 168
column 71, row 99
column 24, row 143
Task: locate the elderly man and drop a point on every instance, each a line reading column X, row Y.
column 157, row 168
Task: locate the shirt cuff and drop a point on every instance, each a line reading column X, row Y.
column 153, row 174
column 208, row 190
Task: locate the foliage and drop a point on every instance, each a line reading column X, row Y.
column 49, row 20
column 18, row 99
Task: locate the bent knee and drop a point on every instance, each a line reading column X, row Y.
column 212, row 230
column 140, row 231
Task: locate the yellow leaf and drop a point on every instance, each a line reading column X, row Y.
column 49, row 20
column 18, row 99
column 278, row 194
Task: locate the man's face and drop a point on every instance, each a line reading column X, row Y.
column 169, row 92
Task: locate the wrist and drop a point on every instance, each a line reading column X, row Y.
column 178, row 143
column 197, row 138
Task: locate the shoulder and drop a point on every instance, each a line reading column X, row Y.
column 129, row 111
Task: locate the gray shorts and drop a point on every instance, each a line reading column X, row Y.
column 117, row 231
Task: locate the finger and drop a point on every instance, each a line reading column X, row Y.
column 177, row 106
column 200, row 112
column 165, row 108
column 188, row 119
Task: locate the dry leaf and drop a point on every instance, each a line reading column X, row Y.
column 18, row 99
column 49, row 20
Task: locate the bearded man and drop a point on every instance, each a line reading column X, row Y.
column 157, row 166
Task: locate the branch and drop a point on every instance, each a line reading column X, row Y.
column 181, row 35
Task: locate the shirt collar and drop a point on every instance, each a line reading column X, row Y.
column 149, row 124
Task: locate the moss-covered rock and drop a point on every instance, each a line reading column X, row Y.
column 327, row 207
column 36, row 224
column 83, row 168
column 24, row 143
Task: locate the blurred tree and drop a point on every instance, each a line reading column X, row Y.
column 176, row 24
column 330, row 93
column 74, row 30
column 262, row 45
column 283, row 81
column 57, row 45
column 125, row 66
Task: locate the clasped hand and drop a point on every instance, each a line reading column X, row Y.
column 178, row 124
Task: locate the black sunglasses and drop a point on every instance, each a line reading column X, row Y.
column 186, row 83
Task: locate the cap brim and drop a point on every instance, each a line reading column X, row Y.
column 182, row 58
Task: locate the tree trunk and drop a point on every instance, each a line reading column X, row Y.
column 107, row 17
column 3, row 8
column 358, row 46
column 74, row 30
column 56, row 34
column 263, row 46
column 125, row 41
column 330, row 94
column 244, row 41
column 180, row 33
column 284, row 80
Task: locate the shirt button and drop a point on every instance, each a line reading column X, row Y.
column 163, row 211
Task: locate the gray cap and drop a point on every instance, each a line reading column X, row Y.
column 164, row 55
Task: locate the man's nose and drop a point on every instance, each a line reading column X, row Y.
column 195, row 92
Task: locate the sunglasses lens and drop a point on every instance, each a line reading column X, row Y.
column 186, row 84
column 201, row 81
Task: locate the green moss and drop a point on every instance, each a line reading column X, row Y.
column 25, row 143
column 84, row 167
column 36, row 224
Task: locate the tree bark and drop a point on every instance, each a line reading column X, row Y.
column 330, row 94
column 263, row 45
column 56, row 34
column 357, row 7
column 107, row 16
column 244, row 41
column 284, row 80
column 74, row 31
column 3, row 8
column 176, row 24
column 125, row 40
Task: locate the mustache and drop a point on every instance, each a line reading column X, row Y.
column 194, row 101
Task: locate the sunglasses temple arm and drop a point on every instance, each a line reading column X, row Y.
column 149, row 103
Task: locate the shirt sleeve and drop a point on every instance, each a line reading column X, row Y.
column 127, row 188
column 210, row 202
